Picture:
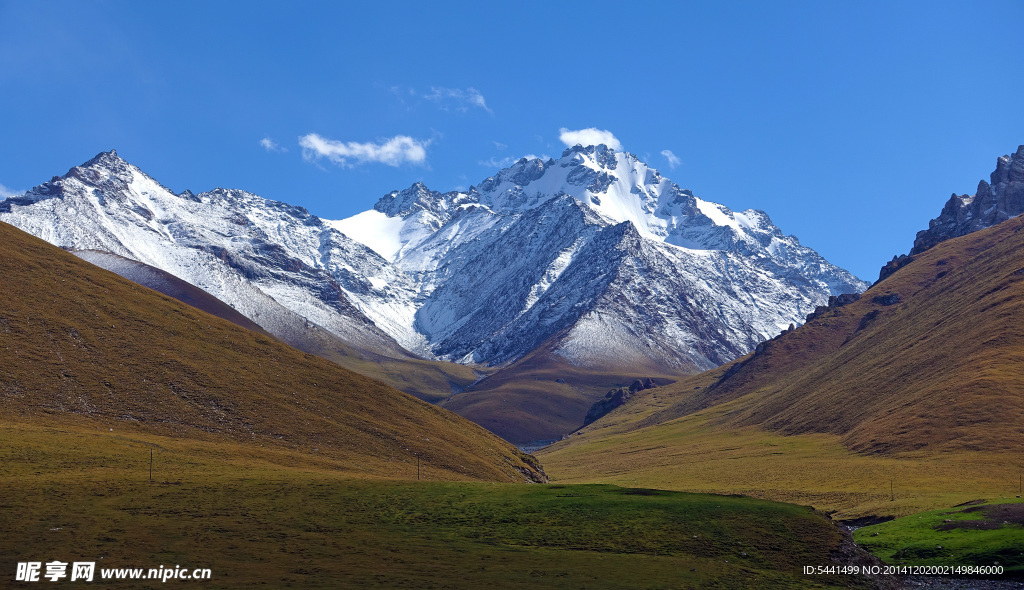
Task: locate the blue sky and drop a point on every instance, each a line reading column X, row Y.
column 849, row 123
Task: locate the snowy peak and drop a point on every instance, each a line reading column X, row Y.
column 592, row 254
column 617, row 186
column 593, row 258
column 553, row 247
column 405, row 203
column 276, row 263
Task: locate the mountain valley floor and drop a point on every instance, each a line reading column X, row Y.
column 292, row 520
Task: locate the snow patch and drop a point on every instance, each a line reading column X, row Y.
column 373, row 229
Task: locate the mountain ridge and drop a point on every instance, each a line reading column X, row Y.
column 915, row 384
column 991, row 203
column 594, row 257
column 96, row 352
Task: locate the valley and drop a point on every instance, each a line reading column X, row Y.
column 485, row 296
column 279, row 465
column 292, row 520
column 593, row 263
column 911, row 386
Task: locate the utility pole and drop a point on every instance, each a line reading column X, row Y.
column 892, row 494
column 417, row 467
column 151, row 465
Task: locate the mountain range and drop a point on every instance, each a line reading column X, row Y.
column 593, row 262
column 916, row 380
column 87, row 351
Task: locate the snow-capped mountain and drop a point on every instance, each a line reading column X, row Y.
column 600, row 252
column 594, row 255
column 274, row 263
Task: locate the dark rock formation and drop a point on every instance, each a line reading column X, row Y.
column 892, row 266
column 888, row 299
column 833, row 303
column 993, row 203
column 615, row 398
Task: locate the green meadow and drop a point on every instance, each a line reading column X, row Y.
column 270, row 521
column 983, row 533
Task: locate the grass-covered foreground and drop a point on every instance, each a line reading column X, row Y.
column 976, row 533
column 87, row 497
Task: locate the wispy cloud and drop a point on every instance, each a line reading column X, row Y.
column 271, row 146
column 589, row 136
column 493, row 162
column 508, row 161
column 398, row 150
column 673, row 160
column 457, row 99
column 8, row 192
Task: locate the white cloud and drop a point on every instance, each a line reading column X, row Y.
column 589, row 136
column 271, row 146
column 673, row 160
column 508, row 160
column 8, row 192
column 396, row 151
column 457, row 98
column 496, row 163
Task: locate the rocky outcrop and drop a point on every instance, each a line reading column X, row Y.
column 893, row 265
column 615, row 398
column 887, row 299
column 833, row 302
column 993, row 202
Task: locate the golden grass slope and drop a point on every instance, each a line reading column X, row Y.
column 927, row 392
column 83, row 348
column 432, row 381
column 941, row 369
column 543, row 396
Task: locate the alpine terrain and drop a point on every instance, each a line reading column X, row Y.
column 902, row 399
column 96, row 360
column 593, row 261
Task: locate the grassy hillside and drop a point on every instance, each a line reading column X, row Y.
column 138, row 432
column 918, row 384
column 85, row 348
column 942, row 368
column 542, row 396
column 432, row 381
column 978, row 532
column 291, row 521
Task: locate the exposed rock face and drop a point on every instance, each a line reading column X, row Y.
column 616, row 398
column 894, row 265
column 834, row 302
column 887, row 299
column 993, row 203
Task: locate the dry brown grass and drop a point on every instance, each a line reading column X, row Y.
column 268, row 516
column 928, row 391
column 692, row 454
column 84, row 348
column 543, row 396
